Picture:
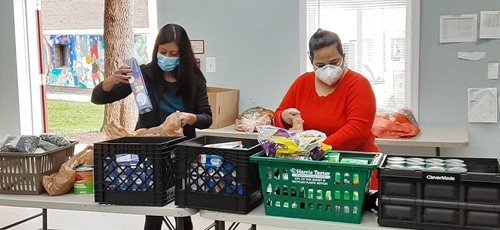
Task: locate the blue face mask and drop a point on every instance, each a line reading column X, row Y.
column 167, row 64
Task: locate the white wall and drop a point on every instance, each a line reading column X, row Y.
column 444, row 79
column 9, row 101
column 255, row 43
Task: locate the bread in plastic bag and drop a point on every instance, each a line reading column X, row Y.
column 249, row 119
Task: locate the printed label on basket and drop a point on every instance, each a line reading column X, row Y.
column 313, row 177
column 444, row 177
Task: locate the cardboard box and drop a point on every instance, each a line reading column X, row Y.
column 225, row 104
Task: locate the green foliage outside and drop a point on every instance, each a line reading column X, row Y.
column 71, row 117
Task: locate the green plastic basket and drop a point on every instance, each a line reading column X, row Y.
column 318, row 190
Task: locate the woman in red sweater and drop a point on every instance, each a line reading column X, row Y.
column 332, row 99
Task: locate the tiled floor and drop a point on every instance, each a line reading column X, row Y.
column 76, row 220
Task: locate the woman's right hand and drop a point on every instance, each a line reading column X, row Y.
column 288, row 114
column 119, row 76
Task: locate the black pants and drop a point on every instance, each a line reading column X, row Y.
column 155, row 222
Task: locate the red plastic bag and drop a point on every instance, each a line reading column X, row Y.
column 394, row 125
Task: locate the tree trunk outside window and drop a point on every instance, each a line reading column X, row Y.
column 118, row 45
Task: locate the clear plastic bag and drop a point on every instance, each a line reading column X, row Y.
column 395, row 124
column 252, row 117
column 279, row 142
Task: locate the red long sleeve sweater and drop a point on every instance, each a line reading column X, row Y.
column 346, row 115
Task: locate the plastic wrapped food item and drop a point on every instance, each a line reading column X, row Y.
column 47, row 146
column 22, row 143
column 279, row 142
column 397, row 124
column 252, row 117
column 54, row 139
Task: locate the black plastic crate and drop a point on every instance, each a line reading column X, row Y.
column 441, row 200
column 231, row 186
column 135, row 171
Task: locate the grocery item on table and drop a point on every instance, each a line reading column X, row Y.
column 252, row 117
column 279, row 142
column 138, row 87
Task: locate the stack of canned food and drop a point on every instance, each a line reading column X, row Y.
column 427, row 164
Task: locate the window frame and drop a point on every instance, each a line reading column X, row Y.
column 411, row 99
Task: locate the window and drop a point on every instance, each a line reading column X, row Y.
column 61, row 55
column 378, row 40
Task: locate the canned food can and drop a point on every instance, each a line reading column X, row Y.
column 456, row 169
column 434, row 160
column 435, row 169
column 84, row 180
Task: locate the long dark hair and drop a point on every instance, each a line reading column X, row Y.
column 324, row 38
column 187, row 71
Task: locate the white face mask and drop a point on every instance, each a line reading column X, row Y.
column 329, row 74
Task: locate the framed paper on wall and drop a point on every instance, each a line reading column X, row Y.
column 198, row 46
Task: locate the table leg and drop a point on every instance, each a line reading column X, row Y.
column 253, row 227
column 179, row 223
column 219, row 225
column 22, row 221
column 44, row 219
column 438, row 151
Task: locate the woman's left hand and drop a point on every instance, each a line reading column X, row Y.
column 188, row 119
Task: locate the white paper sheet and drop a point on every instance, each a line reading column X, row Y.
column 471, row 56
column 483, row 107
column 493, row 70
column 458, row 28
column 490, row 24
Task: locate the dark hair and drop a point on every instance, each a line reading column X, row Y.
column 324, row 38
column 187, row 70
